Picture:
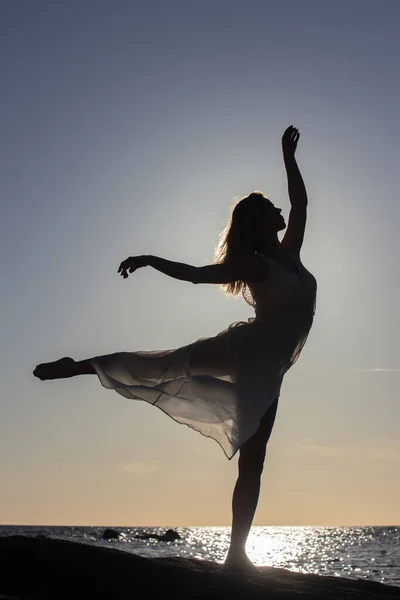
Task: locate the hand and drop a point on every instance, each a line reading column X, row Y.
column 131, row 264
column 289, row 140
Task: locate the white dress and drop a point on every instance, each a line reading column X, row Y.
column 226, row 395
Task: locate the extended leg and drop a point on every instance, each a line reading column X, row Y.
column 63, row 368
column 247, row 489
column 210, row 356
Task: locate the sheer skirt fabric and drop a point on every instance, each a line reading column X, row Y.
column 225, row 394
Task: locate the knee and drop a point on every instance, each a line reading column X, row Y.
column 251, row 464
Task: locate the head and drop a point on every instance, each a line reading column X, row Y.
column 257, row 217
column 252, row 227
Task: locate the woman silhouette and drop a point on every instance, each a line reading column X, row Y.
column 227, row 386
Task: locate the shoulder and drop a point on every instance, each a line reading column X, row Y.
column 249, row 268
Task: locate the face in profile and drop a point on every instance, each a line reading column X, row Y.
column 274, row 220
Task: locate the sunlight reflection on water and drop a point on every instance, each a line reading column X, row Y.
column 357, row 552
column 371, row 553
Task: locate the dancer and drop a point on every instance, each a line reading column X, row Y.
column 227, row 387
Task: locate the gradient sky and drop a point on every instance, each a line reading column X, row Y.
column 127, row 128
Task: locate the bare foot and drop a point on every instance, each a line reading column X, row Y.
column 240, row 564
column 59, row 369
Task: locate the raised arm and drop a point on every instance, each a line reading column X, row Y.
column 293, row 238
column 251, row 267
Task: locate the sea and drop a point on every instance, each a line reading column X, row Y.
column 370, row 553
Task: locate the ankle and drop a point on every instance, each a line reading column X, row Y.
column 238, row 562
column 236, row 555
column 84, row 367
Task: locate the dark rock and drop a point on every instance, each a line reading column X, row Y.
column 110, row 534
column 55, row 569
column 169, row 536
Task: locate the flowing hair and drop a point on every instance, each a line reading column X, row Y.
column 241, row 235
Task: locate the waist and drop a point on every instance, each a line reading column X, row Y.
column 285, row 314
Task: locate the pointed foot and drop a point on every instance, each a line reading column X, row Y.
column 59, row 369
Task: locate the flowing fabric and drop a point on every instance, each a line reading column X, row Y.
column 225, row 395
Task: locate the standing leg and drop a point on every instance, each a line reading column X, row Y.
column 247, row 489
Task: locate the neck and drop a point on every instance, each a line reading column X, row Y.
column 270, row 244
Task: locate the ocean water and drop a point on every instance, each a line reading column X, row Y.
column 371, row 553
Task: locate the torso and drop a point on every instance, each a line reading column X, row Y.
column 288, row 283
column 288, row 260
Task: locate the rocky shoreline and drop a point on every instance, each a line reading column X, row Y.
column 43, row 568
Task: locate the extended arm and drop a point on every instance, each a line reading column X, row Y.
column 249, row 268
column 173, row 269
column 293, row 238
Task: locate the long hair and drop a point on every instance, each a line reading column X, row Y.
column 242, row 235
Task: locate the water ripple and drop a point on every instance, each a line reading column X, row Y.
column 371, row 553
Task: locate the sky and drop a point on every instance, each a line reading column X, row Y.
column 127, row 128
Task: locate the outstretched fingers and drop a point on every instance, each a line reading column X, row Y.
column 290, row 139
column 124, row 267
